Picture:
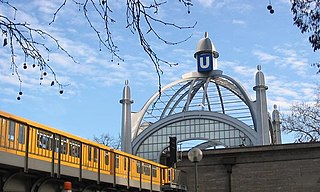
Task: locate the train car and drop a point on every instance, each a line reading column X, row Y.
column 33, row 146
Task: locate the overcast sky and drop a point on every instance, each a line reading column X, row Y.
column 244, row 33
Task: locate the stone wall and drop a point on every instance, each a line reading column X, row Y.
column 288, row 167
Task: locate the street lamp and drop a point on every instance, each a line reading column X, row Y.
column 195, row 155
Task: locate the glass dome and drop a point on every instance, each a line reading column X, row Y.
column 212, row 107
column 215, row 94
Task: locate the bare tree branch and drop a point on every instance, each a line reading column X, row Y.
column 138, row 13
column 304, row 121
column 108, row 140
column 306, row 14
column 17, row 35
column 141, row 19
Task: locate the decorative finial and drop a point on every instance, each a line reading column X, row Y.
column 259, row 67
column 126, row 82
column 206, row 35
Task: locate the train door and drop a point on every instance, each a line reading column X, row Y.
column 74, row 152
column 155, row 171
column 114, row 163
column 90, row 157
column 146, row 170
column 117, row 163
column 121, row 164
column 105, row 161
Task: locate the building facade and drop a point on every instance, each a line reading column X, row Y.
column 277, row 168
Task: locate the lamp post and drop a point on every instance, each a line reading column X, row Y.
column 195, row 155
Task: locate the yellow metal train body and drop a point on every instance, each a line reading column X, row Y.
column 32, row 140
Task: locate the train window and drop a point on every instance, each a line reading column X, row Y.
column 154, row 171
column 74, row 148
column 44, row 140
column 117, row 160
column 138, row 167
column 56, row 144
column 21, row 134
column 11, row 130
column 146, row 169
column 95, row 154
column 89, row 153
column 39, row 140
column 64, row 146
column 106, row 157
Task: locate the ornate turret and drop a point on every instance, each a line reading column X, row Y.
column 276, row 125
column 261, row 107
column 260, row 79
column 206, row 55
column 126, row 119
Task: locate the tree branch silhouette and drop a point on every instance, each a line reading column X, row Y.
column 304, row 120
column 140, row 17
column 306, row 16
column 138, row 13
column 21, row 36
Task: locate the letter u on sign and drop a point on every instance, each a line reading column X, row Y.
column 205, row 62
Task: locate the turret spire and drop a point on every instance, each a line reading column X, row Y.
column 126, row 119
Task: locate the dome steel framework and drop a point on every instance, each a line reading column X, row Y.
column 214, row 108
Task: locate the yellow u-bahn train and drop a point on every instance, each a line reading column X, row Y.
column 59, row 153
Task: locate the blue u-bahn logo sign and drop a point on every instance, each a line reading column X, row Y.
column 205, row 62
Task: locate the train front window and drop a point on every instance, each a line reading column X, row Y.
column 11, row 130
column 21, row 134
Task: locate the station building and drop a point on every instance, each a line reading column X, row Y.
column 205, row 105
